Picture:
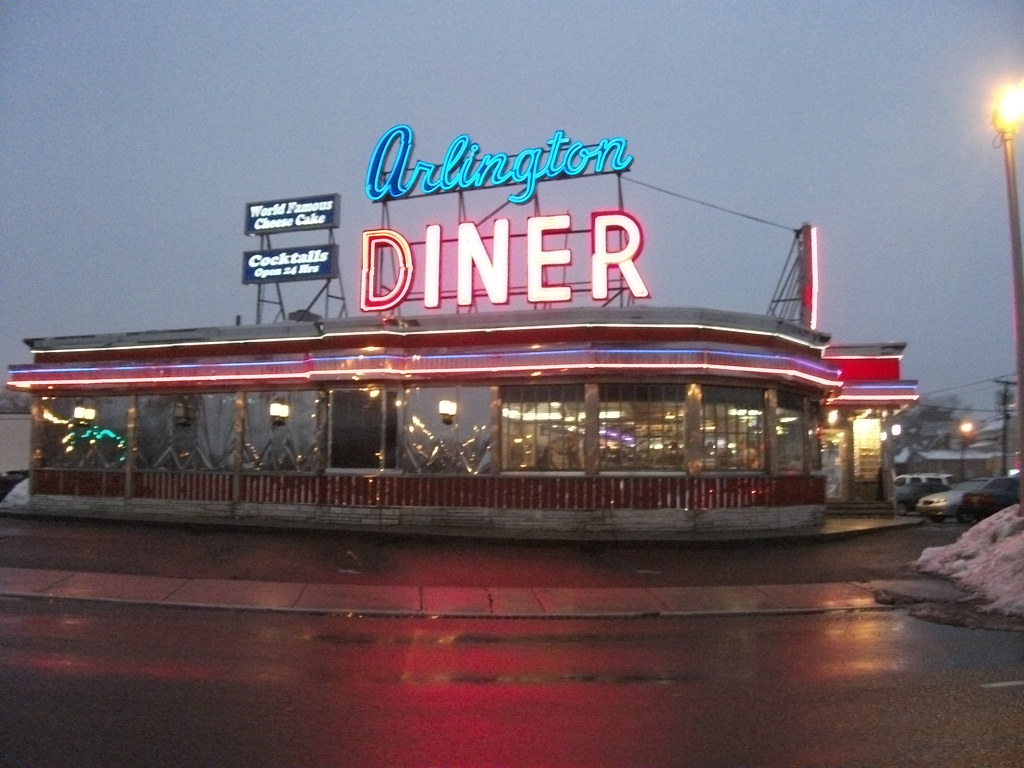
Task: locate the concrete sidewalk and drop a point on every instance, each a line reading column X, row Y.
column 469, row 602
column 525, row 602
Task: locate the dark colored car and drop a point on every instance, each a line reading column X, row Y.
column 10, row 479
column 997, row 494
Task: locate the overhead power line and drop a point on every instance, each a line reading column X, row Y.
column 710, row 205
column 959, row 387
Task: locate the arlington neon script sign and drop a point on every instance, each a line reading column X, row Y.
column 391, row 175
column 464, row 169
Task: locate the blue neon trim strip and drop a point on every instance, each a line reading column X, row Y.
column 410, row 365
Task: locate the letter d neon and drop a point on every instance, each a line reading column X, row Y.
column 372, row 297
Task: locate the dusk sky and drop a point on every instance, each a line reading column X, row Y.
column 132, row 134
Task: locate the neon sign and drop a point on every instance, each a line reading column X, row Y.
column 493, row 268
column 463, row 168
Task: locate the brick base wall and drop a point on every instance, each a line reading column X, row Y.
column 511, row 523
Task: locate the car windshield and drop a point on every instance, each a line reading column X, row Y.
column 1001, row 484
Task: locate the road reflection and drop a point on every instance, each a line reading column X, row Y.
column 246, row 688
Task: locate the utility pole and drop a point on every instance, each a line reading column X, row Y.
column 1004, row 403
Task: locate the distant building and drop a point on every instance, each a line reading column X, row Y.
column 15, row 441
column 989, row 450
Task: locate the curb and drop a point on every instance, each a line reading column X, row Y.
column 468, row 602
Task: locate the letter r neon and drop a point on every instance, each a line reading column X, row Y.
column 601, row 223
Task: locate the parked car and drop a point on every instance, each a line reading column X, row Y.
column 921, row 477
column 911, row 488
column 998, row 493
column 10, row 479
column 938, row 506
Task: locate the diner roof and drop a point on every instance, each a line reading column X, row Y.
column 476, row 324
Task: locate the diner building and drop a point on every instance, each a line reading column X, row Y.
column 579, row 422
column 516, row 413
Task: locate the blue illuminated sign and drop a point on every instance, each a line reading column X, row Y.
column 317, row 262
column 294, row 214
column 463, row 168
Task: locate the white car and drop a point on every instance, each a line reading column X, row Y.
column 939, row 506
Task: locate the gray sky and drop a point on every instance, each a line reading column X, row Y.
column 133, row 134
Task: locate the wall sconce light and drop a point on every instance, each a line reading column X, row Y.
column 279, row 413
column 447, row 409
column 184, row 414
column 84, row 413
column 833, row 418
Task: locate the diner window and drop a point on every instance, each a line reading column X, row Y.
column 447, row 430
column 542, row 427
column 642, row 426
column 186, row 431
column 790, row 432
column 280, row 431
column 732, row 428
column 84, row 432
column 364, row 428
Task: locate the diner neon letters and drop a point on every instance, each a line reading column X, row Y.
column 492, row 268
column 463, row 168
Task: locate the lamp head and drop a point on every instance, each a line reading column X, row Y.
column 1009, row 111
column 279, row 413
column 447, row 410
column 84, row 413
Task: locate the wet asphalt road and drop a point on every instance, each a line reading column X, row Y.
column 93, row 684
column 359, row 558
column 96, row 684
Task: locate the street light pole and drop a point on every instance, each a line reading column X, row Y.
column 966, row 428
column 1007, row 119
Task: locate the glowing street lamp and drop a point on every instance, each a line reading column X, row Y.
column 1007, row 119
column 1009, row 111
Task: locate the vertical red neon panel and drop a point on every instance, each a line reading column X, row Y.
column 809, row 276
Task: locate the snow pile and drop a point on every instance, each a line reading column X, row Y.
column 17, row 497
column 988, row 561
